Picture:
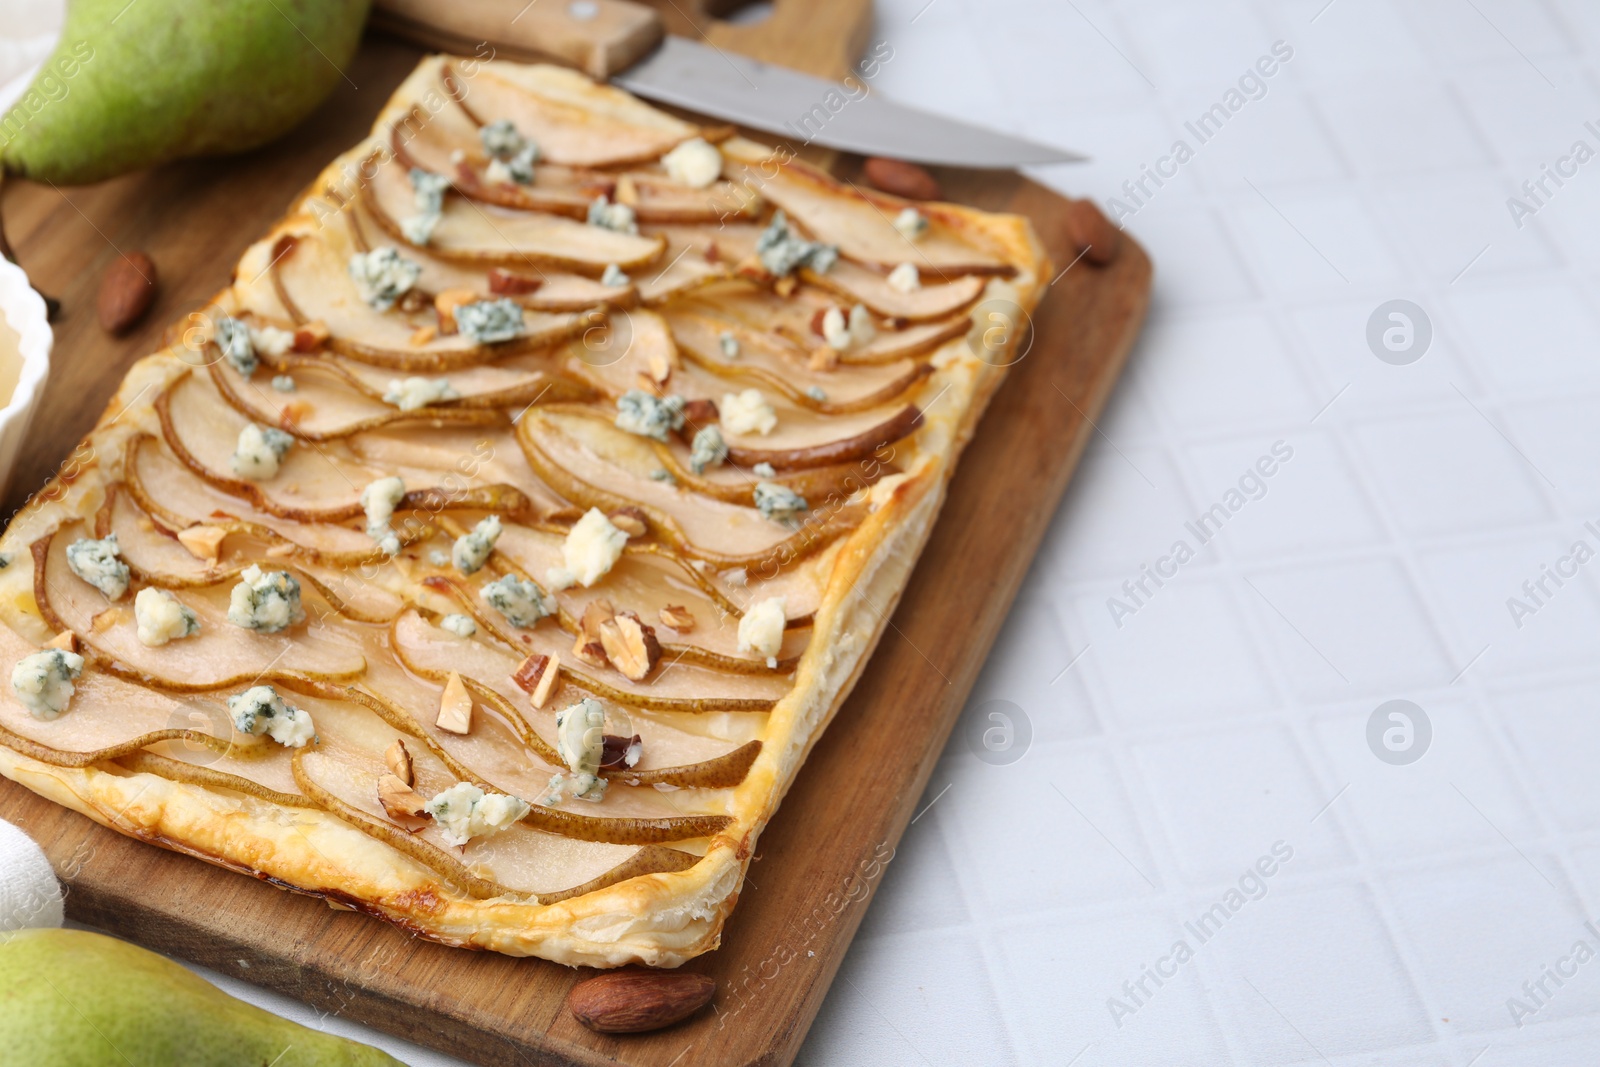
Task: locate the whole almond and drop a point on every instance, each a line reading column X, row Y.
column 1091, row 232
column 126, row 292
column 902, row 179
column 632, row 1000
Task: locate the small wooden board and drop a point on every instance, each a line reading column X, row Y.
column 821, row 858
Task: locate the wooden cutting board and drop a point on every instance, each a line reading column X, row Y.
column 821, row 858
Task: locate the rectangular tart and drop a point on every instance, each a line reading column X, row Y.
column 490, row 554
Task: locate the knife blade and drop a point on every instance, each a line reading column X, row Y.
column 627, row 43
column 813, row 110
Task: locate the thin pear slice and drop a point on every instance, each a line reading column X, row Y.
column 682, row 268
column 723, row 534
column 673, row 685
column 469, row 232
column 854, row 284
column 220, row 655
column 324, row 408
column 580, row 825
column 770, row 363
column 271, row 780
column 572, row 119
column 659, row 199
column 178, row 498
column 310, row 278
column 313, row 484
column 514, row 381
column 557, row 290
column 861, row 225
column 671, row 756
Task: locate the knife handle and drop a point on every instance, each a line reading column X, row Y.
column 599, row 37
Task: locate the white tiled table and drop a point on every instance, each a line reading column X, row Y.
column 1229, row 711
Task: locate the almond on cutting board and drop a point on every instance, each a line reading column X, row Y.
column 633, row 999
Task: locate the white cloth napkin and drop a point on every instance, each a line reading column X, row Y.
column 29, row 892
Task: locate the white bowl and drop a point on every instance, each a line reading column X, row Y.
column 24, row 312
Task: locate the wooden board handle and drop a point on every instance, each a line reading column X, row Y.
column 599, row 37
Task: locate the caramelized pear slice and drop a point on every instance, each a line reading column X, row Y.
column 468, row 232
column 324, row 408
column 673, row 686
column 855, row 284
column 313, row 484
column 572, row 119
column 309, row 276
column 671, row 756
column 221, row 654
column 556, row 291
column 861, row 225
column 723, row 534
column 227, row 773
column 683, row 268
column 773, row 365
column 178, row 498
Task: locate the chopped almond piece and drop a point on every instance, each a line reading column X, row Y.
column 509, row 283
column 677, row 617
column 660, row 369
column 455, row 707
column 422, row 335
column 537, row 676
column 712, row 253
column 648, row 384
column 785, row 285
column 588, row 648
column 402, row 803
column 447, row 302
column 630, row 645
column 203, row 542
column 398, row 757
column 106, row 620
column 626, row 192
column 412, row 300
column 698, row 413
column 311, row 336
column 824, row 358
column 630, row 520
column 292, row 412
column 66, row 641
column 280, row 551
column 816, row 319
column 618, row 753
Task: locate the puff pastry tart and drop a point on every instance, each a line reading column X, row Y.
column 490, row 554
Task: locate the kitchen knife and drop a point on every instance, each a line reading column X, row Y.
column 627, row 44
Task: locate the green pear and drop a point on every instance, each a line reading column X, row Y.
column 69, row 998
column 135, row 83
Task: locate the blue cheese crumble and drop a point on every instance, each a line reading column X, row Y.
column 97, row 563
column 592, row 548
column 271, row 341
column 695, row 163
column 383, row 276
column 779, row 503
column 905, row 278
column 378, row 500
column 761, row 629
column 409, row 394
column 747, row 412
column 580, row 741
column 464, row 811
column 764, row 470
column 259, row 452
column 162, row 617
column 283, row 383
column 267, row 601
column 460, row 625
column 471, row 550
column 649, row 415
column 708, row 449
column 490, row 321
column 260, row 710
column 729, row 344
column 618, row 218
column 518, row 599
column 233, row 339
column 782, row 251
column 511, row 155
column 613, row 277
column 911, row 223
column 427, row 191
column 817, row 393
column 43, row 681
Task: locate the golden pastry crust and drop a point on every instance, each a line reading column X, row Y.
column 662, row 918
